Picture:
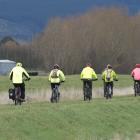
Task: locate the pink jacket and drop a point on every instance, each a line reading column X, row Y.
column 136, row 73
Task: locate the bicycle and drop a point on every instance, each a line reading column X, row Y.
column 17, row 99
column 87, row 92
column 55, row 94
column 87, row 88
column 109, row 89
column 137, row 88
column 108, row 93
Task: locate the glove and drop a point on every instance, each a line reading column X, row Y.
column 29, row 79
column 95, row 79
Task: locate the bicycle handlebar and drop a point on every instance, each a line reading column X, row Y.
column 27, row 79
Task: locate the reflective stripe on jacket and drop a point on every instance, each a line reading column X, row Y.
column 88, row 73
column 60, row 77
column 17, row 73
column 106, row 73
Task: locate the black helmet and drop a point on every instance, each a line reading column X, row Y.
column 88, row 65
column 56, row 66
column 109, row 66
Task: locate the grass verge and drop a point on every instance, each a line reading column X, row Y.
column 99, row 119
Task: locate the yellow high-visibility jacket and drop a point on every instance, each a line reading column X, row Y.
column 88, row 73
column 109, row 75
column 60, row 77
column 17, row 74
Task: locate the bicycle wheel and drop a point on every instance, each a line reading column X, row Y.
column 55, row 96
column 110, row 92
column 135, row 89
column 89, row 94
column 85, row 94
column 52, row 98
column 138, row 89
column 17, row 96
column 107, row 92
column 16, row 102
column 107, row 95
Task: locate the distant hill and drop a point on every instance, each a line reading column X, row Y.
column 17, row 31
column 24, row 18
column 6, row 40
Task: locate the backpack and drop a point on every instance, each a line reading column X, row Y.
column 108, row 75
column 54, row 73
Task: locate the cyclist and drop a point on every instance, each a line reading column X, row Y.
column 108, row 76
column 136, row 74
column 87, row 75
column 16, row 75
column 56, row 76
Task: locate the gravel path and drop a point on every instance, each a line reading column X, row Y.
column 70, row 94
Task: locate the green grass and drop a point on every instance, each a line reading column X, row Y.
column 72, row 81
column 76, row 120
column 71, row 120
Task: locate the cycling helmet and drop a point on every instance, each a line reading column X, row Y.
column 19, row 64
column 109, row 66
column 56, row 66
column 137, row 66
column 88, row 65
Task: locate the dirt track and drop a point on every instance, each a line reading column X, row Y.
column 71, row 94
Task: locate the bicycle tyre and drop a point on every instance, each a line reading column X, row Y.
column 52, row 98
column 85, row 92
column 135, row 89
column 55, row 97
column 17, row 96
column 88, row 94
column 108, row 92
column 15, row 101
column 138, row 86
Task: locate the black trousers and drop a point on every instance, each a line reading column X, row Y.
column 89, row 83
column 105, row 87
column 22, row 87
column 138, row 81
column 53, row 85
